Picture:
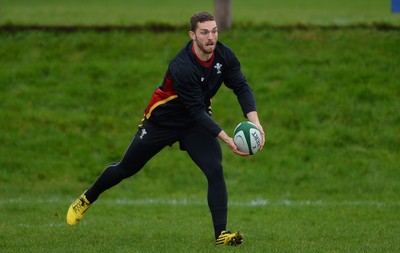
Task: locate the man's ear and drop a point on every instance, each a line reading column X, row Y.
column 192, row 35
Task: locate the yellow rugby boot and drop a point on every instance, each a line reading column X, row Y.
column 229, row 238
column 77, row 209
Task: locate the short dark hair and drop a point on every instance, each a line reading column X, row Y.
column 200, row 17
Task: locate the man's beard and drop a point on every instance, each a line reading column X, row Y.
column 206, row 47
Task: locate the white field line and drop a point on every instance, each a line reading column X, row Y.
column 196, row 202
column 255, row 202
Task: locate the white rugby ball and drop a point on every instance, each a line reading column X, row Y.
column 247, row 137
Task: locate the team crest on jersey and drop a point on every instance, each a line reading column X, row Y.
column 218, row 67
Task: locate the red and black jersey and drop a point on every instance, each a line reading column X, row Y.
column 185, row 95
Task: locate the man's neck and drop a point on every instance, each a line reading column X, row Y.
column 200, row 54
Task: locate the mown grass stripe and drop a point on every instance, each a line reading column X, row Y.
column 176, row 27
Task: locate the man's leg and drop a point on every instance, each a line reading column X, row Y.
column 133, row 161
column 205, row 151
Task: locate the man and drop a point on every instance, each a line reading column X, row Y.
column 179, row 111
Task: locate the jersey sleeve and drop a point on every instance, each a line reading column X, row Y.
column 188, row 89
column 235, row 80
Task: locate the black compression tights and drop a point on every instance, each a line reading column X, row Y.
column 204, row 150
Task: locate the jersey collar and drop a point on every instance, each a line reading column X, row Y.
column 206, row 64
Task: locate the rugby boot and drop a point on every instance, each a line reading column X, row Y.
column 229, row 238
column 77, row 209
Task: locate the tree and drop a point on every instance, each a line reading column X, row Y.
column 223, row 14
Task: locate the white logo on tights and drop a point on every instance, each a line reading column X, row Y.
column 143, row 133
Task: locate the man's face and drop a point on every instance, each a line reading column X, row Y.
column 206, row 36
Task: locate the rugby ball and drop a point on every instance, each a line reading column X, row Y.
column 247, row 137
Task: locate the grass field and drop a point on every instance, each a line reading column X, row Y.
column 125, row 12
column 327, row 181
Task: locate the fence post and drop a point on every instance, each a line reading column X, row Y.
column 223, row 14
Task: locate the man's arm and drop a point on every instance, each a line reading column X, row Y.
column 252, row 117
column 231, row 144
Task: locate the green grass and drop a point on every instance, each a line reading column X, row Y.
column 124, row 12
column 184, row 227
column 327, row 180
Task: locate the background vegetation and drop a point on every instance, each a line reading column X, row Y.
column 254, row 12
column 327, row 181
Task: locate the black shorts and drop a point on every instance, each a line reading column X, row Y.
column 203, row 148
column 154, row 135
